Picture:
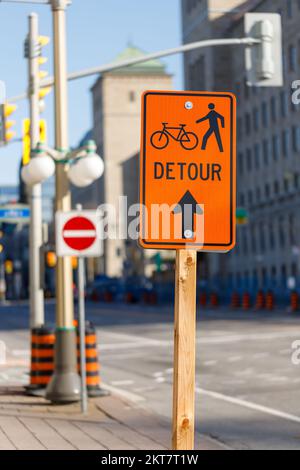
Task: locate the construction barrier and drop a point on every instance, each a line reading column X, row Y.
column 93, row 380
column 214, row 300
column 108, row 297
column 202, row 299
column 235, row 300
column 246, row 302
column 42, row 359
column 260, row 300
column 294, row 301
column 270, row 300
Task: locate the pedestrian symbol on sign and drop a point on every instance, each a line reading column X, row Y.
column 213, row 117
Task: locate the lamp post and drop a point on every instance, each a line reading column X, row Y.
column 35, row 239
column 81, row 166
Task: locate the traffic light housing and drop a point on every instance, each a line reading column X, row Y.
column 264, row 59
column 6, row 132
column 43, row 41
column 27, row 141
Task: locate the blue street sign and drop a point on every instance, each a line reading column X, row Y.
column 14, row 214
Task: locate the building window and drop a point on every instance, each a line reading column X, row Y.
column 253, row 240
column 266, row 151
column 281, row 232
column 283, row 103
column 258, row 195
column 249, row 159
column 292, row 58
column 289, row 8
column 273, row 109
column 240, row 128
column 272, row 236
column 264, row 113
column 296, row 138
column 276, row 147
column 262, row 239
column 250, row 198
column 267, row 191
column 197, row 75
column 296, row 181
column 292, row 230
column 240, row 163
column 257, row 155
column 285, row 142
column 276, row 188
column 255, row 119
column 248, row 124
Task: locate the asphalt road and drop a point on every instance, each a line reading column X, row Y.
column 248, row 389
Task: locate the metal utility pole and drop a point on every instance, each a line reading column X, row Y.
column 65, row 383
column 37, row 316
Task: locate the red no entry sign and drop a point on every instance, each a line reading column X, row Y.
column 77, row 233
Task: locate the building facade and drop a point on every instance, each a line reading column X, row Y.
column 268, row 143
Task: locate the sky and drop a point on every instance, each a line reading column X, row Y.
column 98, row 30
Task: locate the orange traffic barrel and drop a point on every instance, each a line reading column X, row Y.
column 203, row 299
column 214, row 300
column 269, row 300
column 294, row 301
column 108, row 297
column 235, row 300
column 246, row 302
column 129, row 298
column 42, row 358
column 260, row 300
column 93, row 380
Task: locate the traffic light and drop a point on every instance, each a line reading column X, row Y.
column 51, row 259
column 264, row 59
column 6, row 132
column 27, row 141
column 9, row 266
column 44, row 91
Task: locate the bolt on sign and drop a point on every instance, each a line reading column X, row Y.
column 188, row 171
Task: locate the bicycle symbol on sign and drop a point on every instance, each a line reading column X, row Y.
column 161, row 139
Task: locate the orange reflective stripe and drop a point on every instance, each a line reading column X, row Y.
column 42, row 353
column 47, row 339
column 42, row 366
column 93, row 380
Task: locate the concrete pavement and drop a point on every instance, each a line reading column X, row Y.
column 111, row 423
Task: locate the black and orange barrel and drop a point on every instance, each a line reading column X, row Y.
column 235, row 300
column 214, row 299
column 270, row 301
column 93, row 379
column 42, row 357
column 260, row 300
column 246, row 301
column 202, row 299
column 294, row 301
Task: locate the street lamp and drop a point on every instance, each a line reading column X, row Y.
column 86, row 166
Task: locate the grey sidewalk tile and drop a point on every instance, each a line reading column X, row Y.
column 69, row 431
column 46, row 434
column 107, row 438
column 22, row 438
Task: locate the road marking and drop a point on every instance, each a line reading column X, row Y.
column 248, row 404
column 135, row 341
column 260, row 355
column 116, row 383
column 124, row 393
column 235, row 358
column 210, row 363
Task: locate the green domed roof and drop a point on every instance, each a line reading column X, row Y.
column 153, row 66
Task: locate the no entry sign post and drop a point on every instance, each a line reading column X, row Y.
column 78, row 234
column 188, row 199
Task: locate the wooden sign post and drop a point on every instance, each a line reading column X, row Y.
column 184, row 350
column 187, row 196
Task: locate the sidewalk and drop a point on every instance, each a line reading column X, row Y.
column 29, row 423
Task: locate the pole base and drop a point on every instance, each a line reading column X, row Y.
column 64, row 386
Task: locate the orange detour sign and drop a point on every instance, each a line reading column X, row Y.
column 187, row 171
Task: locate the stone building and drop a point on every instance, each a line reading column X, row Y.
column 268, row 143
